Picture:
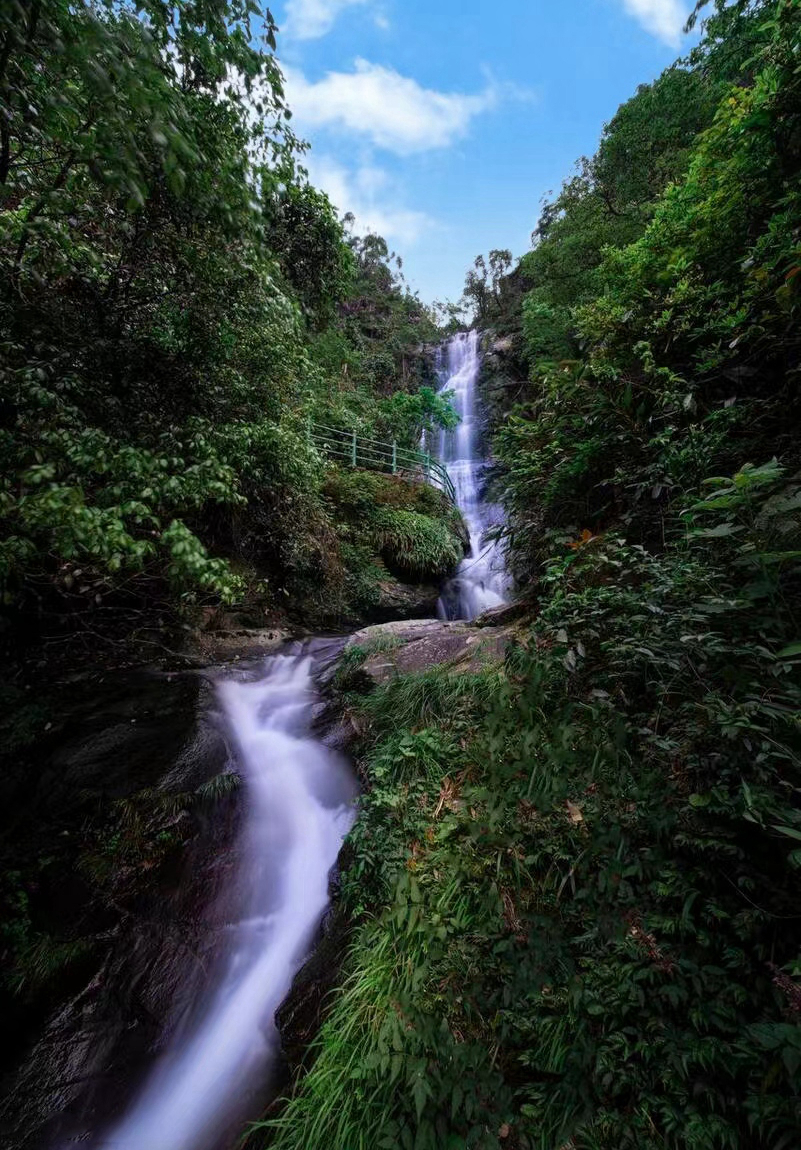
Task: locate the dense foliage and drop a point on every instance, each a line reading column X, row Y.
column 389, row 532
column 576, row 875
column 573, row 887
column 177, row 305
column 176, row 302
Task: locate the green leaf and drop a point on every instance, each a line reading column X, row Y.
column 720, row 532
column 420, row 1093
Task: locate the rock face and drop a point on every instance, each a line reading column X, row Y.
column 118, row 739
column 503, row 375
column 405, row 600
column 403, row 648
column 503, row 615
column 233, row 643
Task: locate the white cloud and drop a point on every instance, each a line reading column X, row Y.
column 662, row 18
column 367, row 192
column 391, row 110
column 310, row 19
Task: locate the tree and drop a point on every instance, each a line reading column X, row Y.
column 483, row 289
column 308, row 240
column 609, row 201
column 647, row 143
column 137, row 298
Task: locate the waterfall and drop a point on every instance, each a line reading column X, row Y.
column 298, row 807
column 481, row 580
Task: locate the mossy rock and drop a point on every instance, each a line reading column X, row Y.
column 398, row 541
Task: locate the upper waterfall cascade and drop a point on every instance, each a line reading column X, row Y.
column 481, row 580
column 298, row 806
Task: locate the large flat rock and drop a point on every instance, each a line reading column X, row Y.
column 402, row 629
column 404, row 648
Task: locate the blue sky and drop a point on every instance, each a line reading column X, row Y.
column 442, row 124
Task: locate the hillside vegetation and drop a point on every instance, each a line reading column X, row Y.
column 176, row 303
column 573, row 888
column 575, row 881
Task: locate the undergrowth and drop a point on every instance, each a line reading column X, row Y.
column 567, row 876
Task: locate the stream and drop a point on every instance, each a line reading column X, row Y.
column 174, row 1045
column 298, row 806
column 481, row 581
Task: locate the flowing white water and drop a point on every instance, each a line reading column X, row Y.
column 298, row 807
column 481, row 580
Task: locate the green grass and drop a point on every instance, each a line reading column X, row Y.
column 417, row 545
column 339, row 1107
column 347, row 678
column 432, row 696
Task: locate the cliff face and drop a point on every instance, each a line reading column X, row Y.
column 119, row 830
column 504, row 378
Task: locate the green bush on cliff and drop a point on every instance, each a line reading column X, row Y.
column 390, row 529
column 417, row 545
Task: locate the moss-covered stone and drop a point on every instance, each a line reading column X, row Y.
column 397, row 542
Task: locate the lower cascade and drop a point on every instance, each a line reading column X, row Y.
column 298, row 807
column 481, row 581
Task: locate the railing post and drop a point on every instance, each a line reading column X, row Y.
column 379, row 455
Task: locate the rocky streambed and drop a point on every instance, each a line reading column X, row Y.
column 140, row 793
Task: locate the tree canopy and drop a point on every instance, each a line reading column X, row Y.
column 176, row 301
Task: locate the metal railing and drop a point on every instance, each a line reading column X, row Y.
column 359, row 451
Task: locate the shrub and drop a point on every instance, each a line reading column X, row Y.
column 416, row 544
